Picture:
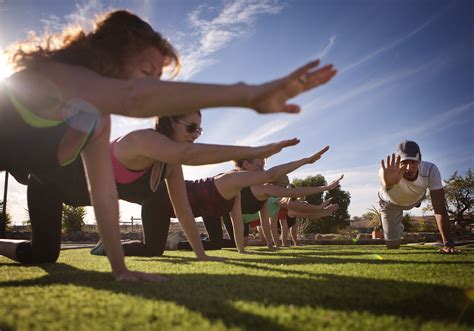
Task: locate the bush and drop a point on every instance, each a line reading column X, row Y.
column 73, row 219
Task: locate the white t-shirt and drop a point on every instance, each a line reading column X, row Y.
column 406, row 193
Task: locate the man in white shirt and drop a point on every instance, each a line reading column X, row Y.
column 404, row 181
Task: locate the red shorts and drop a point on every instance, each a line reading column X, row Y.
column 283, row 213
column 254, row 223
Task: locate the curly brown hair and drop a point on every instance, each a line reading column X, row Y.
column 116, row 38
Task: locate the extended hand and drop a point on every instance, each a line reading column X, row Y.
column 325, row 203
column 273, row 148
column 329, row 210
column 272, row 97
column 392, row 173
column 313, row 158
column 134, row 276
column 334, row 184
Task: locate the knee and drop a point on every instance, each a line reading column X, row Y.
column 155, row 250
column 46, row 256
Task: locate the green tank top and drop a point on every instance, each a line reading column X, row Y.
column 273, row 209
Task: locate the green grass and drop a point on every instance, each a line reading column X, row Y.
column 304, row 288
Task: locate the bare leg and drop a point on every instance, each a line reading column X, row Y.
column 284, row 232
column 274, row 228
column 294, row 234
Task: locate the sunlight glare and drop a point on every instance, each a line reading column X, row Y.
column 5, row 69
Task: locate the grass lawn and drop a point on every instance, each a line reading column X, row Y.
column 303, row 288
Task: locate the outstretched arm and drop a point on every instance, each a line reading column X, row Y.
column 229, row 184
column 303, row 206
column 329, row 210
column 269, row 190
column 155, row 146
column 147, row 97
column 182, row 210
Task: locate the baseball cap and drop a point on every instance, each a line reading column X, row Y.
column 409, row 150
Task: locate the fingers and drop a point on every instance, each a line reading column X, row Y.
column 291, row 109
column 383, row 165
column 320, row 76
column 289, row 142
column 323, row 150
column 304, row 69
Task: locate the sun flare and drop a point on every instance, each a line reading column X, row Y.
column 5, row 68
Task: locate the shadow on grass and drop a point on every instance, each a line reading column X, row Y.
column 328, row 258
column 212, row 295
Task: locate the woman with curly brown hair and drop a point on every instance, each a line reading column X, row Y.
column 56, row 107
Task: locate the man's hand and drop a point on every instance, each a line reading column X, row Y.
column 392, row 173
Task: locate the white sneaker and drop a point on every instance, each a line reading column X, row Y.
column 173, row 241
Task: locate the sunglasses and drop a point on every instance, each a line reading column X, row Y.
column 191, row 127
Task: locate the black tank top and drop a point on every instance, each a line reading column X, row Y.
column 250, row 204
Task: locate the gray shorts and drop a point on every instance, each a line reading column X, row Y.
column 392, row 219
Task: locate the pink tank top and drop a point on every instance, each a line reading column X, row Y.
column 123, row 175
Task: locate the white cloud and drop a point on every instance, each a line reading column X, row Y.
column 211, row 35
column 322, row 53
column 370, row 86
column 443, row 120
column 387, row 47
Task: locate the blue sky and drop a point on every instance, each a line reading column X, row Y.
column 406, row 71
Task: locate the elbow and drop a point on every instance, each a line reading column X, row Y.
column 271, row 176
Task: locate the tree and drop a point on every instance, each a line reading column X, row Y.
column 375, row 218
column 407, row 222
column 73, row 218
column 329, row 224
column 459, row 193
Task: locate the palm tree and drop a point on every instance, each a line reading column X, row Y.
column 375, row 217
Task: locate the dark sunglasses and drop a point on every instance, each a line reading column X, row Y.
column 191, row 127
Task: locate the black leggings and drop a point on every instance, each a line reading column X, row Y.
column 47, row 193
column 156, row 225
column 216, row 236
column 45, row 208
